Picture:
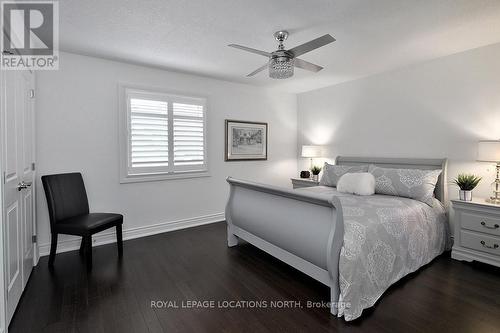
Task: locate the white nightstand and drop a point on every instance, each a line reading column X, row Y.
column 303, row 182
column 477, row 231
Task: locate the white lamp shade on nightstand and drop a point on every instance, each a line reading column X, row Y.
column 489, row 151
column 312, row 151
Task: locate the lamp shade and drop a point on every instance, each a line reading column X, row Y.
column 489, row 151
column 312, row 151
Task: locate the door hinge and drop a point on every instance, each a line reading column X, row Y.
column 33, row 166
column 33, row 239
column 32, row 93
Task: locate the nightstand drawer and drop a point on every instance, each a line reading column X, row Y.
column 482, row 223
column 304, row 182
column 480, row 242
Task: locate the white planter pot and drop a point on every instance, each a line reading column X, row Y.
column 315, row 177
column 465, row 195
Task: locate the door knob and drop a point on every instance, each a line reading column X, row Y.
column 22, row 185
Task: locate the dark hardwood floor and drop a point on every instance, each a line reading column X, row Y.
column 195, row 264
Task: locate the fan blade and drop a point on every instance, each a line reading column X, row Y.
column 311, row 45
column 249, row 49
column 260, row 69
column 307, row 65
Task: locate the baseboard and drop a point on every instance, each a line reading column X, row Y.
column 110, row 236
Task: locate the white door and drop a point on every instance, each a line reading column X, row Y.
column 27, row 176
column 18, row 198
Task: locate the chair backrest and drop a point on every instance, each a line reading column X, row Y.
column 66, row 196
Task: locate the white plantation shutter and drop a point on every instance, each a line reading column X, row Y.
column 189, row 145
column 148, row 133
column 166, row 134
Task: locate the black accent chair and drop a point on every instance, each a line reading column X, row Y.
column 69, row 214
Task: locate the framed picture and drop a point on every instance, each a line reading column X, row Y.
column 245, row 141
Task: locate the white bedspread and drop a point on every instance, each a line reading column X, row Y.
column 385, row 238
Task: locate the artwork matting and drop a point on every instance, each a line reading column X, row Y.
column 245, row 140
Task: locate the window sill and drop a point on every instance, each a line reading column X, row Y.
column 141, row 178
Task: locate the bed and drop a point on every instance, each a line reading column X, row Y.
column 356, row 245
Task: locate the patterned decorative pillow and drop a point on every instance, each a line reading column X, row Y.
column 332, row 173
column 409, row 183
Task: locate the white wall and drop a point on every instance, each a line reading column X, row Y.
column 439, row 108
column 435, row 109
column 77, row 130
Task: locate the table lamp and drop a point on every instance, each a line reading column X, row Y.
column 312, row 152
column 489, row 151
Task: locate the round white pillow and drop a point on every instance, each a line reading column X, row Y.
column 360, row 183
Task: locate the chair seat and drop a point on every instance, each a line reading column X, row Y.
column 88, row 224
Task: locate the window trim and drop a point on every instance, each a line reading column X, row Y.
column 126, row 176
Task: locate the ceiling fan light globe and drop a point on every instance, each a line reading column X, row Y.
column 281, row 67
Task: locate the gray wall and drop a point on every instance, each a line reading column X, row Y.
column 439, row 108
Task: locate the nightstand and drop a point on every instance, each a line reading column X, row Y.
column 477, row 231
column 303, row 182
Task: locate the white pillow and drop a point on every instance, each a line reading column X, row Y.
column 360, row 183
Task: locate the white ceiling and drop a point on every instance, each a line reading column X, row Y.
column 191, row 35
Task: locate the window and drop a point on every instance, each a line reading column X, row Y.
column 163, row 136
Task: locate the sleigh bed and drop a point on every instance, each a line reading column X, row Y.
column 356, row 245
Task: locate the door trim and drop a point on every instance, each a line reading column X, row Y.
column 3, row 287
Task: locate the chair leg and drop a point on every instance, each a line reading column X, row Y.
column 53, row 248
column 119, row 240
column 82, row 247
column 88, row 250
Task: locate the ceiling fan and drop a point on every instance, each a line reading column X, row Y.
column 282, row 62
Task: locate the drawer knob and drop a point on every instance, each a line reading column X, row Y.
column 494, row 246
column 496, row 226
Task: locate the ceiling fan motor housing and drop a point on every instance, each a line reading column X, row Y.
column 281, row 36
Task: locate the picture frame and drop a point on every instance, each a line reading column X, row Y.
column 245, row 140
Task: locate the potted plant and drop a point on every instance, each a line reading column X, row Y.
column 466, row 183
column 315, row 171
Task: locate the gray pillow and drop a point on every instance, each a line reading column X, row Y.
column 332, row 173
column 409, row 183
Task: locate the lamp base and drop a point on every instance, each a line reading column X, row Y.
column 495, row 201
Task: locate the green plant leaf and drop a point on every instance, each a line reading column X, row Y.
column 316, row 170
column 466, row 182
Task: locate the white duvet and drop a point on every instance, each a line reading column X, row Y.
column 385, row 238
